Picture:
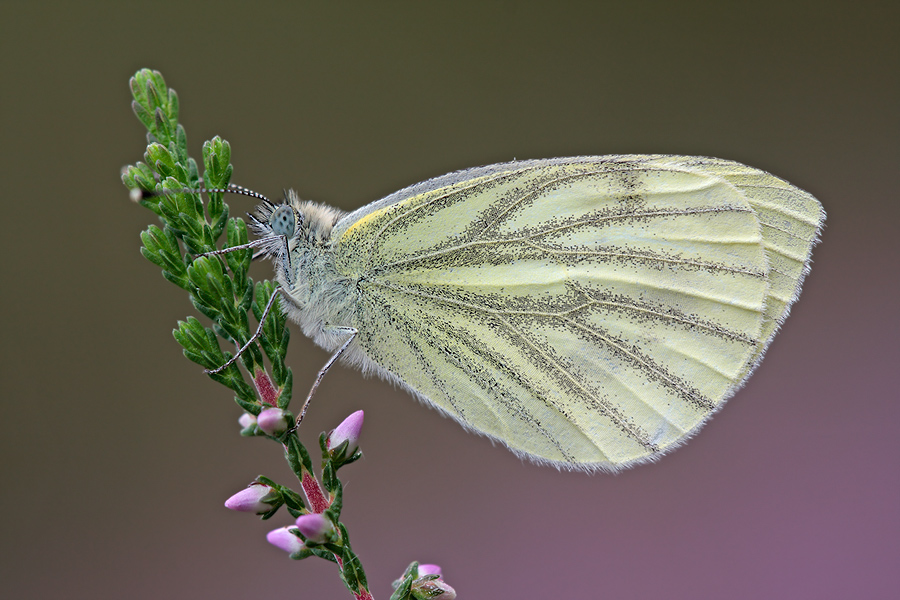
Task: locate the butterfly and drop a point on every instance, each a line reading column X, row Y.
column 590, row 313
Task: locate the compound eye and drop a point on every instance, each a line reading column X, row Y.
column 282, row 221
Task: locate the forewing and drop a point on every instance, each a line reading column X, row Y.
column 587, row 312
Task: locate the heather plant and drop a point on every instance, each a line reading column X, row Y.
column 186, row 246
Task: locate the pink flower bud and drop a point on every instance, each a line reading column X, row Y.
column 429, row 570
column 247, row 420
column 315, row 527
column 347, row 431
column 285, row 540
column 250, row 499
column 273, row 421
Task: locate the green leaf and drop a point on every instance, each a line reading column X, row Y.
column 403, row 586
column 179, row 140
column 292, row 500
column 164, row 131
column 322, row 553
column 161, row 248
column 174, row 106
column 238, row 260
column 217, row 163
column 198, row 343
column 352, row 572
column 251, row 406
column 329, row 480
column 297, row 456
column 337, row 504
column 285, row 383
column 201, row 346
column 143, row 115
column 218, row 212
column 160, row 160
column 152, row 95
column 352, row 458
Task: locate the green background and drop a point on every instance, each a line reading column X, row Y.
column 117, row 453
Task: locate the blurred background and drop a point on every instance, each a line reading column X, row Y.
column 118, row 453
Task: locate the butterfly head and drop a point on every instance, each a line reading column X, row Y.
column 283, row 221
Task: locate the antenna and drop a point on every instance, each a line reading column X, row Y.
column 138, row 194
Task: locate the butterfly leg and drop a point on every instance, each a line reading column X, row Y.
column 253, row 244
column 278, row 290
column 351, row 333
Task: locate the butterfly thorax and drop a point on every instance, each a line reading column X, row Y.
column 296, row 235
column 317, row 295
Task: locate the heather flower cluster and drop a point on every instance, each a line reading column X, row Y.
column 185, row 246
column 317, row 530
column 313, row 527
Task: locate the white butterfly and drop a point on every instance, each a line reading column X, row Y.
column 590, row 312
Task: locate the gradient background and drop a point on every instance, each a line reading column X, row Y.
column 117, row 453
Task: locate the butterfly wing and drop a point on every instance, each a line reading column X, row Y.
column 590, row 312
column 790, row 220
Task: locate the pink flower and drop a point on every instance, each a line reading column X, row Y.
column 285, row 540
column 273, row 421
column 347, row 431
column 315, row 527
column 250, row 499
column 430, row 585
column 247, row 420
column 429, row 570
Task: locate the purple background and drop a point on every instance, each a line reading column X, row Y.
column 118, row 453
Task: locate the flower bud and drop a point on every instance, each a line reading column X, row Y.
column 273, row 421
column 247, row 420
column 285, row 540
column 429, row 570
column 432, row 589
column 251, row 499
column 315, row 527
column 347, row 431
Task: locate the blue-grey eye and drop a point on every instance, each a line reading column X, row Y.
column 282, row 221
